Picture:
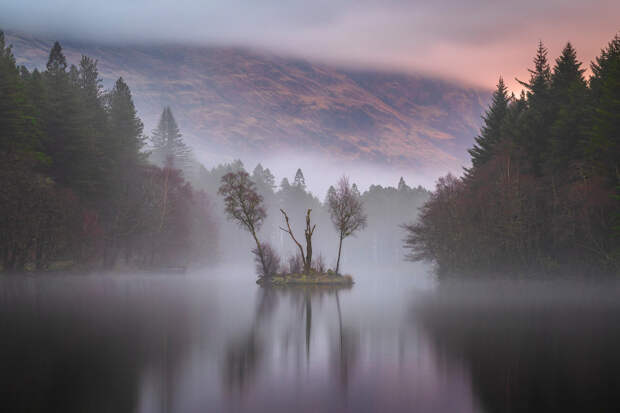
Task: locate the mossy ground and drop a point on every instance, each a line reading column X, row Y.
column 313, row 278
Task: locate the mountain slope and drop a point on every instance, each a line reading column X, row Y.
column 238, row 101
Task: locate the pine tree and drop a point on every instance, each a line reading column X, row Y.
column 299, row 180
column 603, row 140
column 402, row 185
column 66, row 136
column 56, row 63
column 90, row 82
column 602, row 66
column 534, row 139
column 95, row 122
column 168, row 146
column 540, row 77
column 569, row 95
column 122, row 150
column 285, row 184
column 263, row 178
column 269, row 178
column 18, row 129
column 257, row 172
column 490, row 132
column 125, row 140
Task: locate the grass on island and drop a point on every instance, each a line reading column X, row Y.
column 314, row 278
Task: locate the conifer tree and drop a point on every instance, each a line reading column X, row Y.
column 125, row 139
column 299, row 180
column 263, row 178
column 66, row 138
column 284, row 184
column 17, row 127
column 168, row 145
column 94, row 118
column 569, row 94
column 269, row 178
column 535, row 137
column 490, row 132
column 56, row 62
column 603, row 140
column 123, row 151
column 602, row 65
column 540, row 77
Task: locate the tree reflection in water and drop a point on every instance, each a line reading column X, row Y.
column 75, row 344
column 531, row 346
column 245, row 355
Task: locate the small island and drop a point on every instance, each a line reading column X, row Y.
column 245, row 206
column 328, row 278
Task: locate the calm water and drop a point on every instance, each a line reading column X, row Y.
column 215, row 342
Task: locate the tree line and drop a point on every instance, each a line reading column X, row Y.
column 76, row 184
column 379, row 244
column 543, row 191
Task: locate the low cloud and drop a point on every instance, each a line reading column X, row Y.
column 473, row 42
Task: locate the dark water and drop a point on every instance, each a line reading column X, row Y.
column 215, row 342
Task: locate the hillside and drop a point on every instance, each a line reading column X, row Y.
column 238, row 101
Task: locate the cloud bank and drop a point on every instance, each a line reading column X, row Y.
column 473, row 42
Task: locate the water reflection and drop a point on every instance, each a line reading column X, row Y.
column 77, row 345
column 205, row 342
column 246, row 353
column 531, row 346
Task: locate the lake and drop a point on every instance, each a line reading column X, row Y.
column 397, row 341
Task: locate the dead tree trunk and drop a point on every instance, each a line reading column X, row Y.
column 308, row 233
column 289, row 231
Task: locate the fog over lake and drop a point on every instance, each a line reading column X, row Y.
column 395, row 341
column 309, row 207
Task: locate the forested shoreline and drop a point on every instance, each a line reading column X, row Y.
column 83, row 187
column 543, row 192
column 77, row 189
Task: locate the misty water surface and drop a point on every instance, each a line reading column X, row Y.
column 213, row 341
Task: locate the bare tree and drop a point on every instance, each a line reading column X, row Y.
column 269, row 264
column 245, row 206
column 347, row 212
column 308, row 232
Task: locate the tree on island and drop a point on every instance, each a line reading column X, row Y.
column 347, row 212
column 308, row 232
column 245, row 206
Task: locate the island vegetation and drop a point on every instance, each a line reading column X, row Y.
column 245, row 206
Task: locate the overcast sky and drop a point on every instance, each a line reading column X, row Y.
column 471, row 41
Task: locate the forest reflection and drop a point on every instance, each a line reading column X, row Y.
column 530, row 345
column 77, row 344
